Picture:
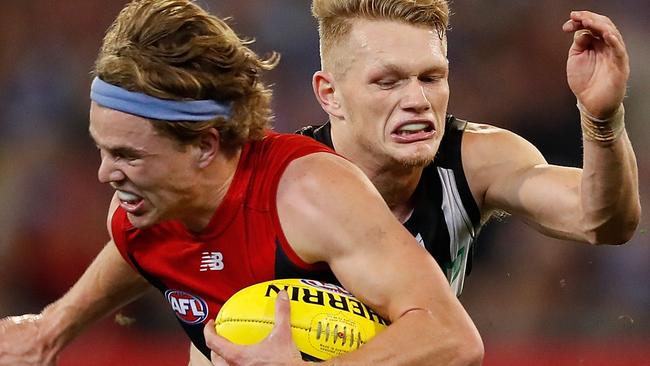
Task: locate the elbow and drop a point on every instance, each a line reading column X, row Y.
column 468, row 349
column 472, row 353
column 454, row 342
column 609, row 237
column 617, row 230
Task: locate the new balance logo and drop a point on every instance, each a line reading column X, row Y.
column 211, row 261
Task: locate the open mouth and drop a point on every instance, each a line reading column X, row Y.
column 130, row 202
column 413, row 131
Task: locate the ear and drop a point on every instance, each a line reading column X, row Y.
column 208, row 147
column 325, row 92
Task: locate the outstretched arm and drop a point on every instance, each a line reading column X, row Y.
column 599, row 203
column 36, row 340
column 597, row 72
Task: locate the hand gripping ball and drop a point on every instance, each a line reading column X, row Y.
column 326, row 320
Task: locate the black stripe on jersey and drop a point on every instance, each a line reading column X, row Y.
column 194, row 331
column 450, row 156
column 322, row 133
column 428, row 220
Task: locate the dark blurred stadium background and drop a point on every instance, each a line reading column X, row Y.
column 536, row 301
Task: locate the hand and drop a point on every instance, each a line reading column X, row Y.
column 276, row 349
column 598, row 65
column 21, row 342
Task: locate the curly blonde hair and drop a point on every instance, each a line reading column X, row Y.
column 173, row 49
column 335, row 16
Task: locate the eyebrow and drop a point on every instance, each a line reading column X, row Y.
column 123, row 150
column 392, row 68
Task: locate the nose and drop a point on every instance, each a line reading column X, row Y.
column 108, row 171
column 414, row 98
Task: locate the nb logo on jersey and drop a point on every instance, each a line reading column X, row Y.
column 188, row 308
column 211, row 261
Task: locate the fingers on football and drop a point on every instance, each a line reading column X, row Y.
column 215, row 342
column 282, row 316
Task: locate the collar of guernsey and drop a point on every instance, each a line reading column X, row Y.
column 143, row 105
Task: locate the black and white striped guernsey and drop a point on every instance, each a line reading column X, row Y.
column 445, row 219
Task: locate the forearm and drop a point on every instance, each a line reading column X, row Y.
column 38, row 339
column 609, row 190
column 63, row 320
column 419, row 338
column 107, row 284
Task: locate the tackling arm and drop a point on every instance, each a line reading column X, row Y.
column 599, row 203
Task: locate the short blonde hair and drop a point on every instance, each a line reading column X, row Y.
column 335, row 16
column 173, row 49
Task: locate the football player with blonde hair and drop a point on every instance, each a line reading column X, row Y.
column 384, row 85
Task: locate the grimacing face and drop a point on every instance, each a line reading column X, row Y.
column 393, row 89
column 152, row 177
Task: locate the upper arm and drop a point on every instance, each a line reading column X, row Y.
column 333, row 213
column 506, row 172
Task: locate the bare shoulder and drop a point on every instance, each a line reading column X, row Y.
column 320, row 173
column 481, row 128
column 491, row 153
column 323, row 201
column 485, row 145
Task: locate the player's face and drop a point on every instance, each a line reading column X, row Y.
column 394, row 90
column 152, row 176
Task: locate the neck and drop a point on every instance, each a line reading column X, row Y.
column 395, row 182
column 211, row 190
column 397, row 186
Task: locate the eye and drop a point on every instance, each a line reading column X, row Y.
column 430, row 78
column 387, row 83
column 127, row 156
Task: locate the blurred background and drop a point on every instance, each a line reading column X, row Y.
column 535, row 300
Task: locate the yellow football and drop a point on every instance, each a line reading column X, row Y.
column 326, row 320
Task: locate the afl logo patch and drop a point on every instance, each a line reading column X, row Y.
column 188, row 308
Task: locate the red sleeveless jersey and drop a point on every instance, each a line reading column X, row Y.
column 242, row 245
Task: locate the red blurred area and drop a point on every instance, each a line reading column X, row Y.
column 569, row 353
column 109, row 346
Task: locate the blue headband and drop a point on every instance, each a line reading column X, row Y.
column 143, row 105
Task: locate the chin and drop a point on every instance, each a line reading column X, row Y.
column 416, row 161
column 419, row 158
column 141, row 221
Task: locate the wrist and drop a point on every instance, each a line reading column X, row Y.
column 602, row 129
column 57, row 328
